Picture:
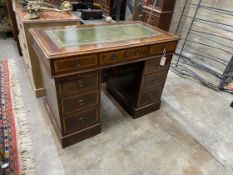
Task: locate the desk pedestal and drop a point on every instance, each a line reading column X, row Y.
column 138, row 92
column 73, row 102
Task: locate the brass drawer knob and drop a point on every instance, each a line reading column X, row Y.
column 80, row 83
column 82, row 119
column 81, row 102
column 164, row 52
column 136, row 53
column 77, row 63
column 150, row 95
column 114, row 57
column 153, row 80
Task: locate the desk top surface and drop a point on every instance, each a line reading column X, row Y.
column 81, row 36
column 92, row 38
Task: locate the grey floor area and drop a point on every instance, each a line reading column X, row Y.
column 190, row 135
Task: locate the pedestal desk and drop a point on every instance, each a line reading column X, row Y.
column 72, row 58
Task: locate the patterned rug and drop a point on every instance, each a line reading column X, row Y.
column 15, row 140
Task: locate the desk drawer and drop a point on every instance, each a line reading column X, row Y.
column 151, row 95
column 75, row 103
column 154, row 79
column 80, row 120
column 152, row 66
column 123, row 55
column 78, row 83
column 75, row 64
column 158, row 49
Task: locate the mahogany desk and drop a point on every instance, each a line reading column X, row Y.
column 72, row 58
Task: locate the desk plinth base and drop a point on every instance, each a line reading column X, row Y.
column 70, row 139
column 80, row 135
column 135, row 112
column 40, row 92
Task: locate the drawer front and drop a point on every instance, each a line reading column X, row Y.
column 75, row 64
column 154, row 79
column 77, row 83
column 123, row 55
column 159, row 48
column 150, row 96
column 152, row 66
column 75, row 103
column 80, row 120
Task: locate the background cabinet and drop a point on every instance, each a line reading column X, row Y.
column 162, row 5
column 160, row 11
column 109, row 8
column 46, row 19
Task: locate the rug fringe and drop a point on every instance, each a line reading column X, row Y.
column 24, row 142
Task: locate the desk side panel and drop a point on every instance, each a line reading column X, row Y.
column 51, row 96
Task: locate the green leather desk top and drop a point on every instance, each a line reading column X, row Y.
column 69, row 41
column 73, row 36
